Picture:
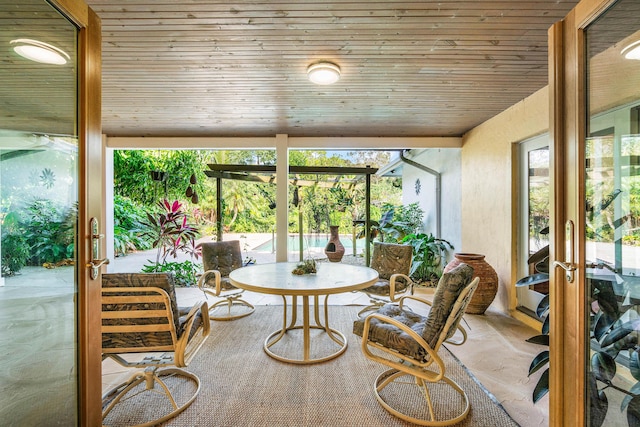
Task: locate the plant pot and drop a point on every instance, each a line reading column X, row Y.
column 488, row 286
column 334, row 249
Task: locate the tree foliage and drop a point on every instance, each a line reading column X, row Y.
column 249, row 207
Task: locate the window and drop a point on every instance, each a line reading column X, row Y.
column 533, row 237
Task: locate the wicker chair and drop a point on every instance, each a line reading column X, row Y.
column 143, row 327
column 393, row 264
column 409, row 344
column 219, row 259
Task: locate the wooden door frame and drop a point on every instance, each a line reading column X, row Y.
column 569, row 319
column 90, row 204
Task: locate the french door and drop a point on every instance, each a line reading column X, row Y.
column 595, row 233
column 49, row 138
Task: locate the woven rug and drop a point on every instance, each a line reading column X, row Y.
column 242, row 386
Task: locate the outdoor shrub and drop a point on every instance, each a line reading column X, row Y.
column 49, row 231
column 396, row 222
column 128, row 227
column 409, row 217
column 186, row 272
column 126, row 241
column 15, row 254
column 170, row 232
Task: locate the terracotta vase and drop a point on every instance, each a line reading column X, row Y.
column 488, row 286
column 334, row 249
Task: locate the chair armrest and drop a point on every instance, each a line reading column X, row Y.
column 461, row 341
column 394, row 355
column 429, row 303
column 204, row 280
column 182, row 355
column 392, row 285
column 414, row 298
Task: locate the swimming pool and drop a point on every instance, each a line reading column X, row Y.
column 312, row 241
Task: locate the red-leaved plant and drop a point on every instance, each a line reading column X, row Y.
column 171, row 233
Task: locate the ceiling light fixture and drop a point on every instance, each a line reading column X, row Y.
column 323, row 73
column 632, row 51
column 38, row 51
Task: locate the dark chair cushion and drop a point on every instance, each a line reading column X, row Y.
column 184, row 311
column 392, row 337
column 222, row 256
column 391, row 258
column 382, row 287
column 449, row 288
column 164, row 281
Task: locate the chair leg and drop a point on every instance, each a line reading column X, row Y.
column 150, row 376
column 430, row 414
column 229, row 303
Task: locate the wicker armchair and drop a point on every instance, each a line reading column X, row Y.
column 219, row 259
column 143, row 327
column 393, row 264
column 409, row 344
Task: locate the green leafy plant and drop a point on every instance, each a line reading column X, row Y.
column 127, row 241
column 128, row 218
column 613, row 333
column 395, row 223
column 613, row 326
column 428, row 256
column 613, row 336
column 49, row 231
column 541, row 360
column 15, row 254
column 540, row 262
column 186, row 272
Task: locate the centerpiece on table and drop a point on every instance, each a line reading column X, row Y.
column 308, row 266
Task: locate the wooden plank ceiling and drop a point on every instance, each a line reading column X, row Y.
column 422, row 68
column 36, row 97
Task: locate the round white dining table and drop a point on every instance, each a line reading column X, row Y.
column 278, row 279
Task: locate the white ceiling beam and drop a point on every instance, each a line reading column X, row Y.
column 309, row 143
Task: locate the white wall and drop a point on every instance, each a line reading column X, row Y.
column 446, row 161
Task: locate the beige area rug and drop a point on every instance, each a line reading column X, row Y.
column 242, row 386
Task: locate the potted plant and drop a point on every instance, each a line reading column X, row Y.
column 428, row 256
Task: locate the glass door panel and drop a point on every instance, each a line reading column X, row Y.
column 533, row 241
column 38, row 215
column 612, row 216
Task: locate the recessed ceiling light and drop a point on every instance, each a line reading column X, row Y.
column 38, row 51
column 632, row 51
column 323, row 73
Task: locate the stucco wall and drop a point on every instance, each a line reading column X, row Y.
column 446, row 161
column 487, row 202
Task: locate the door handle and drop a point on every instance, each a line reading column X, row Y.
column 568, row 265
column 96, row 262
